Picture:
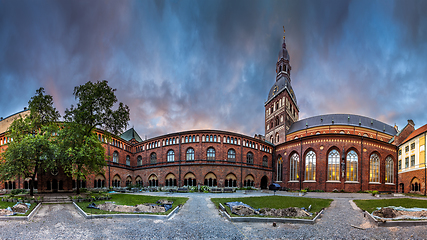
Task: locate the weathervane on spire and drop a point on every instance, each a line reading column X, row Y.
column 283, row 32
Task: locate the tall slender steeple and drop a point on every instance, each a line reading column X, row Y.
column 281, row 109
column 283, row 68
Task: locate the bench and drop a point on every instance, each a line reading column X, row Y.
column 228, row 190
column 216, row 190
column 182, row 190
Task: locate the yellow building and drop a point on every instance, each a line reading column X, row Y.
column 411, row 162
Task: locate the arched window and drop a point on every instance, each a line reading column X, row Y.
column 228, row 139
column 230, row 180
column 170, row 180
column 153, row 158
column 153, row 181
column 194, row 138
column 250, row 158
column 210, row 154
column 190, row 154
column 186, row 139
column 249, row 181
column 128, row 181
column 389, row 170
column 232, row 141
column 167, row 142
column 231, row 155
column 334, row 166
column 190, row 180
column 115, row 157
column 265, row 161
column 277, row 137
column 352, row 160
column 294, row 176
column 171, row 156
column 310, row 166
column 277, row 121
column 374, row 168
column 214, row 138
column 139, row 161
column 128, row 160
column 211, row 138
column 279, row 168
column 210, row 180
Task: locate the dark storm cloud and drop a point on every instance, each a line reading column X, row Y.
column 184, row 65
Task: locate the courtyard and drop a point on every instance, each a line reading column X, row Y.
column 199, row 219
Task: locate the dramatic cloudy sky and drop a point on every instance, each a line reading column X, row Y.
column 182, row 65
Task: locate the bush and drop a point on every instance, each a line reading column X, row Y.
column 204, row 189
column 18, row 191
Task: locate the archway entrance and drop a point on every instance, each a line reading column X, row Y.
column 264, row 182
column 415, row 185
column 401, row 188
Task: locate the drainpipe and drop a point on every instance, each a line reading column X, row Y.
column 179, row 157
column 300, row 169
column 241, row 162
column 361, row 165
column 273, row 164
column 109, row 165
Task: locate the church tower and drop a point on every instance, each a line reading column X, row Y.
column 281, row 109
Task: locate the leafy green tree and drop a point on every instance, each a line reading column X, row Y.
column 31, row 148
column 82, row 152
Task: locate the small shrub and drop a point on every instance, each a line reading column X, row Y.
column 204, row 189
column 18, row 191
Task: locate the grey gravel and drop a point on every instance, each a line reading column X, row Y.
column 199, row 219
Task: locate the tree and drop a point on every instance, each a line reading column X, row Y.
column 81, row 149
column 31, row 148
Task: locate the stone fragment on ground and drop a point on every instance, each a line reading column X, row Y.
column 392, row 213
column 385, row 213
column 242, row 210
column 20, row 208
column 146, row 207
column 4, row 212
column 286, row 212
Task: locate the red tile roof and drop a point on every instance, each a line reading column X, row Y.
column 415, row 133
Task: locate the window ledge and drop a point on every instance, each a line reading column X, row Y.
column 278, row 181
column 309, row 181
column 333, row 181
column 375, row 183
column 390, row 184
column 293, row 181
column 351, row 182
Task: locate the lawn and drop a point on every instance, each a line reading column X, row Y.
column 371, row 205
column 131, row 200
column 276, row 202
column 11, row 204
column 414, row 195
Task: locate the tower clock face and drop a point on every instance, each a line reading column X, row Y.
column 276, row 89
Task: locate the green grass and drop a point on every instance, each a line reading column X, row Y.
column 371, row 205
column 276, row 202
column 414, row 195
column 131, row 200
column 11, row 204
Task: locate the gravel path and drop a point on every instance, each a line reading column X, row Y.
column 199, row 219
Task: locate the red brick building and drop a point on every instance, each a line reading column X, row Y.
column 336, row 151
